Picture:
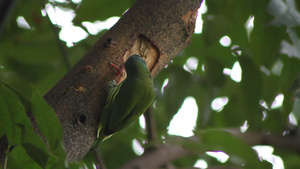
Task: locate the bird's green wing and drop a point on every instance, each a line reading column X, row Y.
column 113, row 90
column 132, row 100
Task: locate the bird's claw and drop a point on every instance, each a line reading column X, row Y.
column 118, row 69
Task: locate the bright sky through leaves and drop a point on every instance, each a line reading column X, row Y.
column 184, row 122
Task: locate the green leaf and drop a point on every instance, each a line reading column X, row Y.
column 171, row 100
column 18, row 158
column 214, row 71
column 274, row 121
column 221, row 54
column 290, row 71
column 188, row 143
column 11, row 113
column 215, row 28
column 218, row 140
column 76, row 165
column 34, row 146
column 55, row 163
column 119, row 146
column 14, row 163
column 290, row 159
column 204, row 92
column 49, row 125
column 264, row 46
column 223, row 119
column 46, row 120
column 232, row 109
column 271, row 88
column 37, row 154
column 197, row 46
column 296, row 109
column 227, row 18
column 89, row 159
column 251, row 88
column 23, row 93
column 23, row 51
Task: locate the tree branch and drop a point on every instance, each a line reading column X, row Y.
column 99, row 160
column 154, row 29
column 276, row 140
column 153, row 158
column 168, row 152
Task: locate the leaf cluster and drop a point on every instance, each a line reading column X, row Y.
column 26, row 149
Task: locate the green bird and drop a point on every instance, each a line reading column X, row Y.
column 127, row 101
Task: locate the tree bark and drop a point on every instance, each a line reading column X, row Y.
column 155, row 30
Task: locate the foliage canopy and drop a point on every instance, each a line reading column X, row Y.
column 33, row 59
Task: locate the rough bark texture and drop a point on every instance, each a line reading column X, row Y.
column 154, row 29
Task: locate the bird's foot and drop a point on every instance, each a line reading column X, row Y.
column 119, row 70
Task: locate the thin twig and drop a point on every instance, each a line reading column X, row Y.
column 60, row 44
column 150, row 125
column 6, row 8
column 99, row 160
column 152, row 133
column 161, row 155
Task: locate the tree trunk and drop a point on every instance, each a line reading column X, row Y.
column 155, row 30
